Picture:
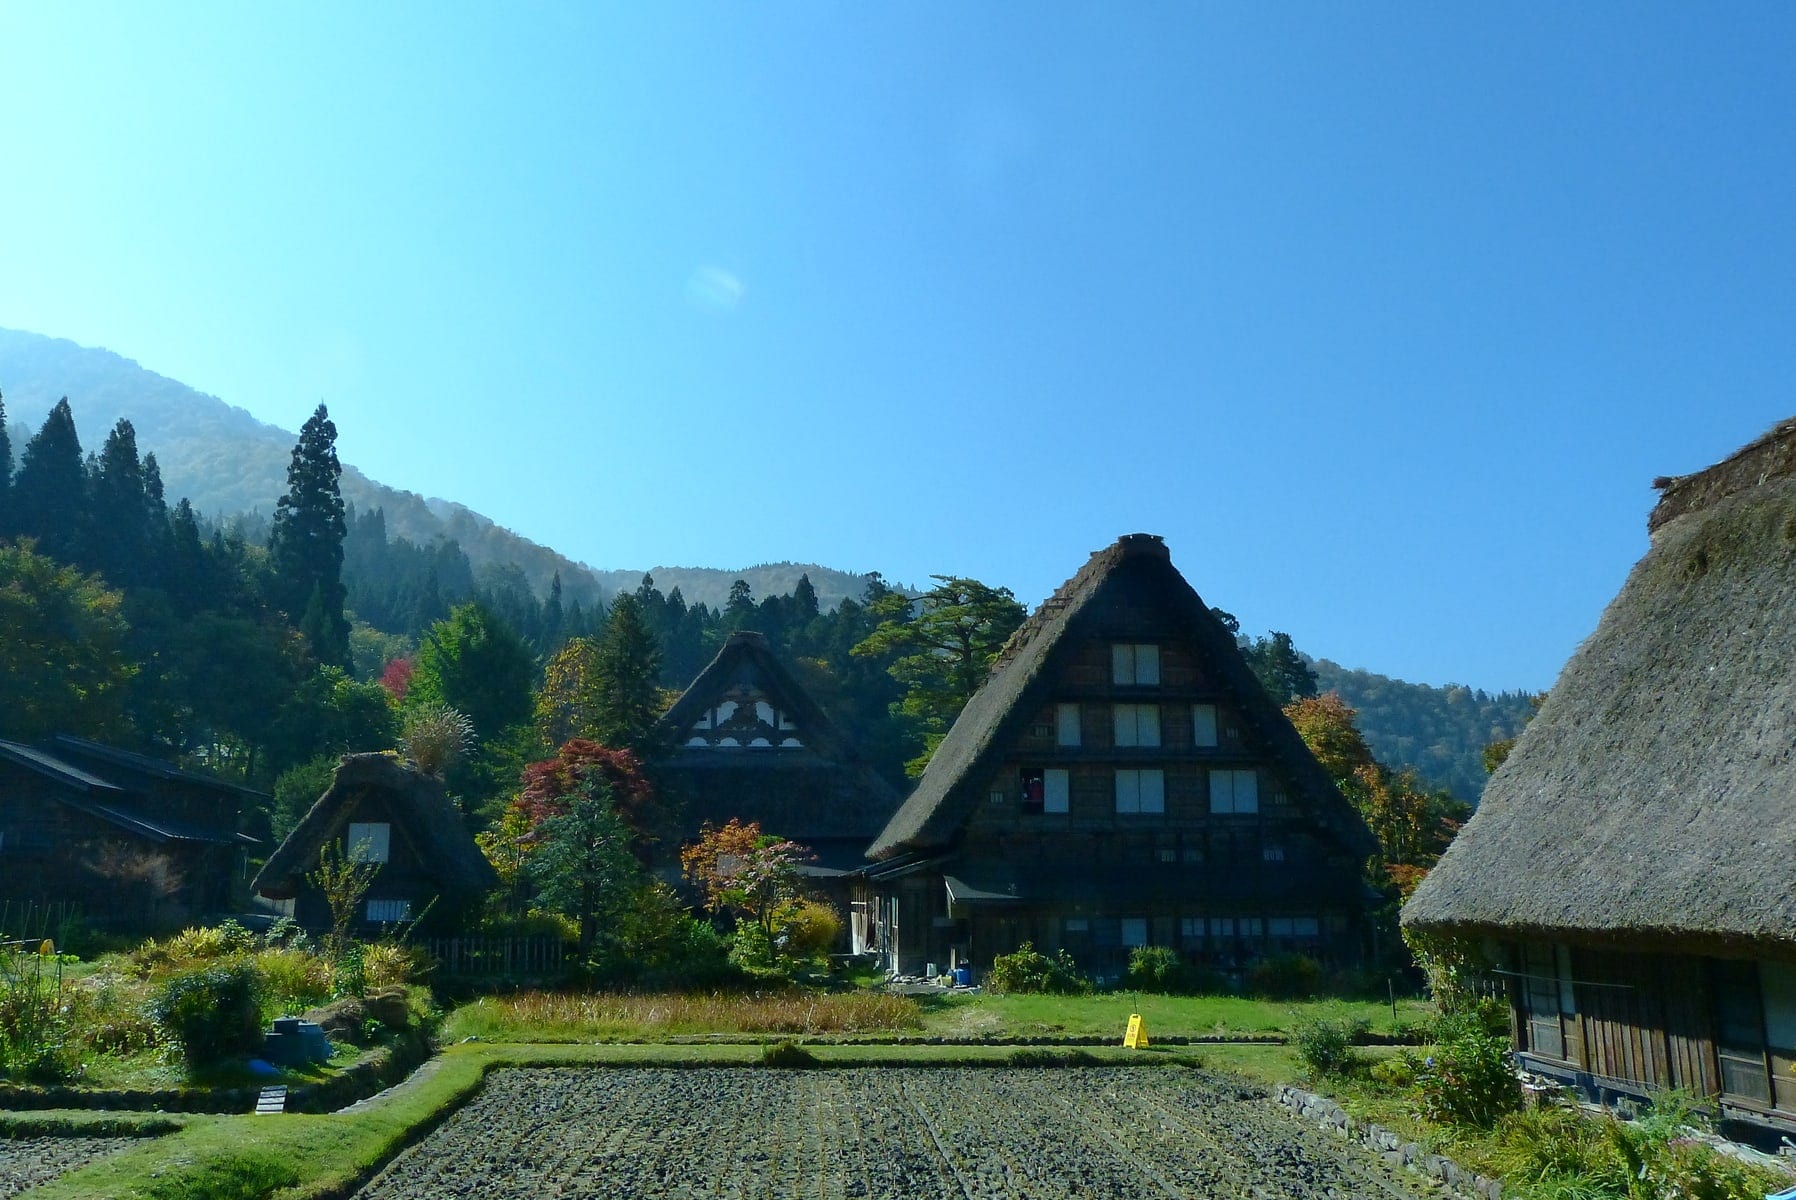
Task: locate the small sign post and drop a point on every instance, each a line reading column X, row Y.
column 1136, row 1037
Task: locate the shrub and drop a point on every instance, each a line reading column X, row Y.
column 213, row 1013
column 1469, row 1079
column 390, row 965
column 293, row 980
column 1029, row 970
column 1285, row 977
column 1327, row 1047
column 435, row 737
column 812, row 929
column 788, row 1055
column 1399, row 1071
column 36, row 1036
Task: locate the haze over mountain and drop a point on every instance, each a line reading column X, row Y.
column 227, row 462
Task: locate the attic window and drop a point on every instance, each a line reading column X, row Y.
column 1136, row 724
column 1234, row 791
column 1066, row 725
column 369, row 841
column 1134, row 664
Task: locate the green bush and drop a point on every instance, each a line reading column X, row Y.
column 37, row 1039
column 213, row 1013
column 1285, row 977
column 1029, row 970
column 1327, row 1047
column 1160, row 969
column 788, row 1056
column 1470, row 1078
column 1399, row 1071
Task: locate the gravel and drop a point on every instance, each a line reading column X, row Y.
column 27, row 1162
column 878, row 1134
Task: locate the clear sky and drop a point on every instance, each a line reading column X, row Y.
column 1383, row 316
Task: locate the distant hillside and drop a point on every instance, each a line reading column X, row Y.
column 1440, row 731
column 227, row 462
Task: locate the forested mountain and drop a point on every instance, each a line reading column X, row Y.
column 1440, row 731
column 226, row 462
column 408, row 560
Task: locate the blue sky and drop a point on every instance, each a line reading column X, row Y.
column 1383, row 316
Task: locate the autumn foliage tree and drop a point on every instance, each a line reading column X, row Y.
column 752, row 875
column 1412, row 823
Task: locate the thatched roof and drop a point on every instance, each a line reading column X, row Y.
column 415, row 800
column 1025, row 674
column 817, row 789
column 1652, row 796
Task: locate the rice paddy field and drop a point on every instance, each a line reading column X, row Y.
column 877, row 1134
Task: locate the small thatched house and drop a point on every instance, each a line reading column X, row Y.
column 746, row 741
column 379, row 809
column 1628, row 866
column 1121, row 780
column 134, row 840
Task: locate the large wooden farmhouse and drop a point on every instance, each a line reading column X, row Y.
column 1121, row 780
column 1627, row 869
column 746, row 741
column 381, row 810
column 134, row 840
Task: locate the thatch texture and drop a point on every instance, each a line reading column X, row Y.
column 817, row 792
column 1022, row 680
column 1652, row 795
column 416, row 801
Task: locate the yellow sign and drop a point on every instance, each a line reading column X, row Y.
column 1136, row 1038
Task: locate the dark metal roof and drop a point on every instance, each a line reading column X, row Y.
column 51, row 767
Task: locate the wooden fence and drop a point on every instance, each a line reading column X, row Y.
column 522, row 956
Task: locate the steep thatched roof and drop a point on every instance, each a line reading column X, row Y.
column 416, row 801
column 812, row 792
column 1653, row 794
column 1024, row 675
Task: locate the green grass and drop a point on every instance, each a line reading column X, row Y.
column 600, row 1017
column 299, row 1157
column 81, row 1122
column 1107, row 1015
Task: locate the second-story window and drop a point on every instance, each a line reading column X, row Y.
column 1137, row 724
column 1203, row 725
column 369, row 841
column 1134, row 664
column 1234, row 791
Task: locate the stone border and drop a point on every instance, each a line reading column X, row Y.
column 1323, row 1112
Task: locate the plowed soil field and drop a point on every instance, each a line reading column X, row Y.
column 27, row 1162
column 879, row 1134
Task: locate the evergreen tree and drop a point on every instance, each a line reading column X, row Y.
column 626, row 666
column 554, row 618
column 306, row 546
column 50, row 491
column 739, row 609
column 804, row 599
column 121, row 510
column 6, row 513
column 1281, row 670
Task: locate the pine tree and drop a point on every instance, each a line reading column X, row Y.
column 625, row 668
column 50, row 491
column 121, row 509
column 6, row 512
column 307, row 543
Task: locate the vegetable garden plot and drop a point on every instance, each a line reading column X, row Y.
column 27, row 1162
column 877, row 1134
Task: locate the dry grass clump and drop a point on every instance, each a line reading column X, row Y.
column 564, row 1016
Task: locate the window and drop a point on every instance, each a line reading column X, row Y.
column 1272, row 853
column 1222, row 927
column 1134, row 931
column 1203, row 725
column 1169, row 854
column 997, row 797
column 1034, row 785
column 1191, row 927
column 1234, row 791
column 1134, row 665
column 1066, row 725
column 1044, row 790
column 1077, row 925
column 386, row 912
column 1136, row 724
column 369, row 841
column 1140, row 791
column 1250, row 927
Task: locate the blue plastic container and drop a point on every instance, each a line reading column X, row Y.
column 963, row 977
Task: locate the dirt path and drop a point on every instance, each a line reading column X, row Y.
column 1114, row 1133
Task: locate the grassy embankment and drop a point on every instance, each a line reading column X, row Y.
column 571, row 1017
